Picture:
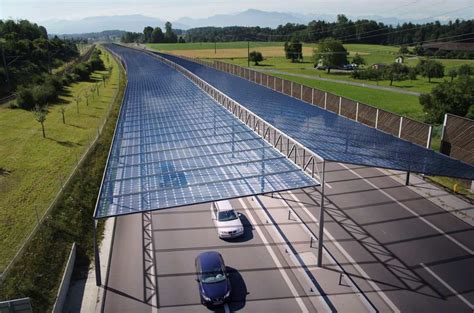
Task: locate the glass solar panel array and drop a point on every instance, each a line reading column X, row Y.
column 332, row 137
column 175, row 146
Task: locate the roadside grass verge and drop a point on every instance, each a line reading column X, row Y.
column 38, row 271
column 32, row 168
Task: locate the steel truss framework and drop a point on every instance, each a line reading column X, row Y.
column 334, row 138
column 174, row 146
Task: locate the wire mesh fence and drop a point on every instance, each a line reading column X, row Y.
column 62, row 181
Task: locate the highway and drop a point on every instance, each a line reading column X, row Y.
column 405, row 252
column 258, row 276
column 416, row 254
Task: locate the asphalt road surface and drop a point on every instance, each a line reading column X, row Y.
column 259, row 281
column 415, row 254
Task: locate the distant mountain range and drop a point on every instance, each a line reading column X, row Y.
column 93, row 24
column 250, row 17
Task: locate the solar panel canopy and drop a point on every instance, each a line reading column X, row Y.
column 327, row 134
column 175, row 146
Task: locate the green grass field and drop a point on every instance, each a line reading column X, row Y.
column 402, row 104
column 421, row 84
column 211, row 45
column 32, row 167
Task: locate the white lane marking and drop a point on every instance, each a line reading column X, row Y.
column 226, row 308
column 275, row 259
column 413, row 212
column 348, row 257
column 294, row 259
column 457, row 294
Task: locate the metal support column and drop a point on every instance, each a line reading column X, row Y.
column 407, row 180
column 98, row 278
column 321, row 218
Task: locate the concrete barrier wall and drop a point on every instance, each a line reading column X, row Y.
column 458, row 138
column 66, row 280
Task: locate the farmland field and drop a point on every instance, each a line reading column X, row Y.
column 236, row 52
column 32, row 167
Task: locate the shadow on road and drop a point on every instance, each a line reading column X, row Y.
column 239, row 290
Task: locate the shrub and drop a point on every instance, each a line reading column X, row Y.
column 82, row 70
column 464, row 70
column 24, row 98
column 256, row 57
column 45, row 93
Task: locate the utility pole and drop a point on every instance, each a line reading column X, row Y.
column 248, row 53
column 215, row 47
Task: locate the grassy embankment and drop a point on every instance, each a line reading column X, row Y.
column 33, row 167
column 38, row 271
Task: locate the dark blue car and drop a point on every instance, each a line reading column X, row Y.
column 212, row 278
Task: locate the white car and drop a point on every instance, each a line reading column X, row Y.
column 227, row 221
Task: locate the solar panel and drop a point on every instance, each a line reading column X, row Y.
column 175, row 146
column 327, row 134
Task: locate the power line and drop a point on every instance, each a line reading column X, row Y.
column 349, row 37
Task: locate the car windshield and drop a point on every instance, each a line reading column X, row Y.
column 213, row 276
column 227, row 216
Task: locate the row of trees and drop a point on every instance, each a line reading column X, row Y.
column 48, row 87
column 153, row 35
column 38, row 97
column 425, row 67
column 27, row 53
column 360, row 31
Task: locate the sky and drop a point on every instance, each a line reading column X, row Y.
column 41, row 10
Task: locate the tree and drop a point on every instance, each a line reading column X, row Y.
column 256, row 57
column 403, row 50
column 170, row 36
column 330, row 53
column 294, row 50
column 40, row 116
column 419, row 50
column 456, row 98
column 465, row 70
column 453, row 73
column 431, row 69
column 357, row 59
column 157, row 35
column 147, row 31
column 395, row 71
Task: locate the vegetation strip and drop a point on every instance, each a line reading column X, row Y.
column 37, row 273
column 34, row 169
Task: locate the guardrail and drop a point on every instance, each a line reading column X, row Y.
column 22, row 305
